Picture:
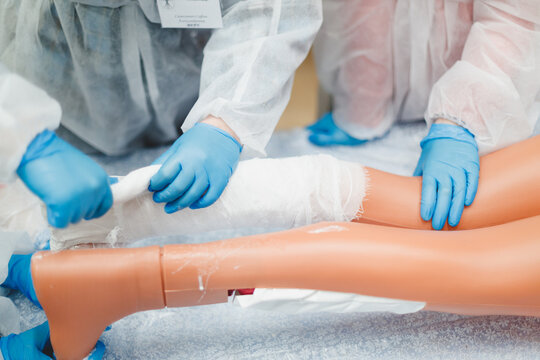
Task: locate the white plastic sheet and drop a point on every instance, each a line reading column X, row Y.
column 300, row 301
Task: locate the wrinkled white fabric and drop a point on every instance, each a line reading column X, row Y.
column 25, row 111
column 124, row 82
column 9, row 316
column 262, row 193
column 300, row 301
column 7, row 247
column 22, row 211
column 10, row 323
column 475, row 62
column 21, row 221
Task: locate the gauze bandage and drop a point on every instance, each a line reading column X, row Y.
column 262, row 193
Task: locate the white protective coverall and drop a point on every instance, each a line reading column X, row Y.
column 123, row 81
column 10, row 242
column 8, row 312
column 475, row 62
column 20, row 216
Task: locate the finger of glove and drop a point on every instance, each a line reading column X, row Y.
column 442, row 207
column 76, row 213
column 165, row 175
column 57, row 219
column 39, row 335
column 89, row 214
column 323, row 124
column 177, row 187
column 341, row 137
column 317, row 127
column 98, row 352
column 337, row 137
column 113, row 180
column 38, row 355
column 30, row 291
column 166, row 155
column 322, row 139
column 472, row 185
column 419, row 170
column 356, row 142
column 459, row 183
column 194, row 193
column 96, row 194
column 215, row 189
column 429, row 197
column 104, row 206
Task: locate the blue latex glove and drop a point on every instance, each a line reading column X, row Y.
column 450, row 166
column 196, row 168
column 98, row 352
column 20, row 277
column 33, row 344
column 326, row 133
column 71, row 185
column 28, row 345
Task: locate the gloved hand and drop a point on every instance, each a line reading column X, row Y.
column 28, row 345
column 325, row 133
column 20, row 277
column 71, row 185
column 196, row 168
column 450, row 167
column 34, row 344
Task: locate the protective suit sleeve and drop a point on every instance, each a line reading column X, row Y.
column 25, row 111
column 8, row 312
column 494, row 91
column 249, row 65
column 6, row 250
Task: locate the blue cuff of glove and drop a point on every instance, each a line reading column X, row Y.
column 38, row 145
column 222, row 132
column 448, row 131
column 20, row 277
column 4, row 346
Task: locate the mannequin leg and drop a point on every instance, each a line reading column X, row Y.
column 507, row 191
column 293, row 192
column 262, row 193
column 483, row 271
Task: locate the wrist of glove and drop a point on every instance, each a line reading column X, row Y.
column 71, row 185
column 20, row 277
column 450, row 167
column 35, row 344
column 28, row 345
column 195, row 169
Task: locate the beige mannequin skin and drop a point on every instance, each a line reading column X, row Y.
column 508, row 190
column 509, row 182
column 484, row 271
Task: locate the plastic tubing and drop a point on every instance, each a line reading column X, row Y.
column 508, row 190
column 484, row 271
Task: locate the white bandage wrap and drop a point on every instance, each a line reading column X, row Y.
column 262, row 193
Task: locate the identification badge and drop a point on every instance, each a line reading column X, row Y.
column 190, row 14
